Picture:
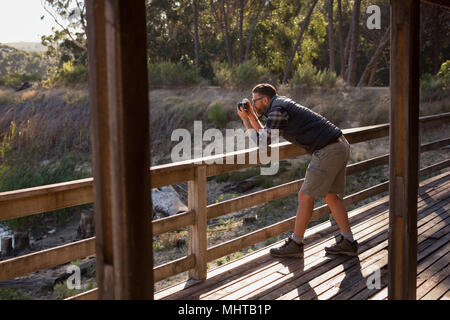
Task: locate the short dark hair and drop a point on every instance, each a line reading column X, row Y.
column 265, row 89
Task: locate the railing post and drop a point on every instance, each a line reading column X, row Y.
column 197, row 232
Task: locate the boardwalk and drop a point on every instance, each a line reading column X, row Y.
column 317, row 276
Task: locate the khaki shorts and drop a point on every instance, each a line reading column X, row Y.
column 326, row 171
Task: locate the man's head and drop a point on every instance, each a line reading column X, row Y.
column 262, row 94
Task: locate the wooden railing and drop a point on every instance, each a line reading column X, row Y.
column 21, row 203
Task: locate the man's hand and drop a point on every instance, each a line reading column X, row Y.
column 242, row 113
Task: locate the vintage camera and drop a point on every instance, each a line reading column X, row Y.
column 244, row 104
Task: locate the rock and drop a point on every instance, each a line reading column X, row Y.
column 21, row 241
column 24, row 86
column 86, row 227
column 250, row 220
column 6, row 247
column 241, row 186
column 166, row 202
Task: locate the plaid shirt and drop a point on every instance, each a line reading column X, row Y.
column 276, row 119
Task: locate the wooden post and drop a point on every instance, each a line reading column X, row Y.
column 101, row 144
column 197, row 232
column 404, row 149
column 119, row 100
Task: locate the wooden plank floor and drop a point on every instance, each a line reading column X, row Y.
column 318, row 276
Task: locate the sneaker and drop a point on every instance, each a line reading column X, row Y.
column 290, row 249
column 344, row 246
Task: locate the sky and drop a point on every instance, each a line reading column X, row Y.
column 20, row 20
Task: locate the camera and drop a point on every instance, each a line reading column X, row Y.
column 244, row 104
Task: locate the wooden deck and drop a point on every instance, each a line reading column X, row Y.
column 317, row 276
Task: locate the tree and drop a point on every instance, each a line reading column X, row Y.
column 196, row 34
column 354, row 43
column 341, row 39
column 331, row 36
column 70, row 16
column 372, row 65
column 226, row 32
column 303, row 28
column 252, row 29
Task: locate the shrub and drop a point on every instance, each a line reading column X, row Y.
column 172, row 74
column 67, row 75
column 444, row 74
column 218, row 115
column 15, row 79
column 307, row 75
column 431, row 87
column 245, row 74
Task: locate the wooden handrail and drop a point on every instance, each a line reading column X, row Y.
column 19, row 203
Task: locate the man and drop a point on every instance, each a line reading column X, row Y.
column 325, row 176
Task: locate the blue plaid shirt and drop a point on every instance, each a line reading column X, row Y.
column 276, row 119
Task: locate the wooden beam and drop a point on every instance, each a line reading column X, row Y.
column 197, row 232
column 121, row 32
column 404, row 149
column 48, row 258
column 101, row 144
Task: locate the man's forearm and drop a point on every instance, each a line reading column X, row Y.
column 247, row 123
column 254, row 122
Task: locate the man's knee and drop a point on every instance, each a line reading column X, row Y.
column 305, row 198
column 331, row 198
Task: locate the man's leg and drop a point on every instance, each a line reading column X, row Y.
column 338, row 210
column 293, row 247
column 346, row 245
column 304, row 213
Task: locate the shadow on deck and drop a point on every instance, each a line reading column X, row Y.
column 317, row 276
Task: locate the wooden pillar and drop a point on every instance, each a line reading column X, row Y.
column 197, row 232
column 121, row 147
column 404, row 149
column 100, row 142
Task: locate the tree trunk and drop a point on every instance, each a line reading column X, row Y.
column 196, row 34
column 252, row 29
column 375, row 57
column 226, row 34
column 341, row 40
column 354, row 43
column 241, row 31
column 331, row 36
column 304, row 26
column 346, row 52
column 372, row 77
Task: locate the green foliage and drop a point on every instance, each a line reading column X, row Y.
column 15, row 79
column 17, row 65
column 444, row 74
column 246, row 74
column 431, row 87
column 307, row 75
column 172, row 74
column 68, row 74
column 10, row 294
column 218, row 115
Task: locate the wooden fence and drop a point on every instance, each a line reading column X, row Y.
column 26, row 202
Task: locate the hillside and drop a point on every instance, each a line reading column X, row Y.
column 27, row 46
